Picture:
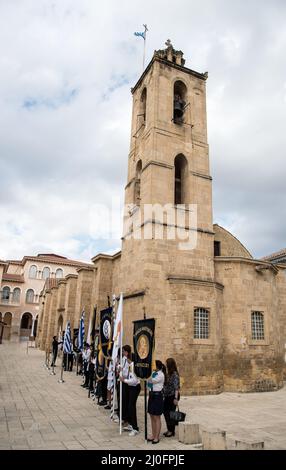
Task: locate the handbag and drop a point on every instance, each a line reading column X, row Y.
column 177, row 416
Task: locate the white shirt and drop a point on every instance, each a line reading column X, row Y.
column 125, row 368
column 157, row 381
column 86, row 355
column 132, row 379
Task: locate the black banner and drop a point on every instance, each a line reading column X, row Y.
column 144, row 342
column 105, row 332
column 75, row 340
column 100, row 365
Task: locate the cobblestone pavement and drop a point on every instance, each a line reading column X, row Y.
column 38, row 412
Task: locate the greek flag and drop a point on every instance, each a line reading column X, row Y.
column 142, row 35
column 81, row 332
column 67, row 339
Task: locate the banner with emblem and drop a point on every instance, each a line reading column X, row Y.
column 144, row 343
column 105, row 332
column 75, row 340
column 100, row 364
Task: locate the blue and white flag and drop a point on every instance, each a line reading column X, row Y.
column 142, row 35
column 67, row 339
column 81, row 332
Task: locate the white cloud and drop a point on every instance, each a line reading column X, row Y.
column 66, row 71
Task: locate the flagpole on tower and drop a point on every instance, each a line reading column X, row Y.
column 144, row 54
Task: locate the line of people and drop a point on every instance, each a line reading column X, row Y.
column 163, row 386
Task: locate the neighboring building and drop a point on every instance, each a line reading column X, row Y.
column 21, row 284
column 220, row 313
column 277, row 258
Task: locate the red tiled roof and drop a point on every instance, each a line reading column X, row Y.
column 278, row 254
column 13, row 277
column 51, row 258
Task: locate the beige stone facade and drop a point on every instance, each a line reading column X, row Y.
column 219, row 312
column 21, row 284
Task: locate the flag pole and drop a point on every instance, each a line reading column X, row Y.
column 145, row 394
column 120, row 386
column 144, row 53
column 113, row 390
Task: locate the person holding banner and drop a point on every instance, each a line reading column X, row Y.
column 134, row 389
column 171, row 394
column 126, row 358
column 86, row 357
column 156, row 402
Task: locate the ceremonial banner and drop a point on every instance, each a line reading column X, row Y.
column 144, row 343
column 100, row 365
column 105, row 332
column 75, row 340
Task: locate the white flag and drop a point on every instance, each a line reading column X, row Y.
column 89, row 330
column 117, row 329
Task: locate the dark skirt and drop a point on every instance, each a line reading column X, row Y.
column 155, row 403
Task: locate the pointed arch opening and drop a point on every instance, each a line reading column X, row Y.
column 143, row 106
column 181, row 179
column 180, row 101
column 137, row 184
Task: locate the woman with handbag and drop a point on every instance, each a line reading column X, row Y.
column 171, row 395
column 155, row 401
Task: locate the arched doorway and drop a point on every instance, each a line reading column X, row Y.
column 7, row 328
column 26, row 325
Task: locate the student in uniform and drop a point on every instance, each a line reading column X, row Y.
column 85, row 358
column 171, row 394
column 134, row 389
column 55, row 346
column 126, row 356
column 155, row 401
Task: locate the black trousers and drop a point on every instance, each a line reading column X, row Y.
column 70, row 362
column 132, row 412
column 91, row 377
column 169, row 406
column 125, row 401
column 55, row 353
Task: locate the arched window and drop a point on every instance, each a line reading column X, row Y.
column 16, row 295
column 59, row 273
column 5, row 294
column 137, row 184
column 33, row 272
column 180, row 97
column 46, row 273
column 181, row 179
column 257, row 325
column 30, row 296
column 201, row 323
column 143, row 105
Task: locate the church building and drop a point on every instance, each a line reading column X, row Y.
column 219, row 313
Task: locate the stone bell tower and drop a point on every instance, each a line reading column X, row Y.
column 168, row 160
column 168, row 164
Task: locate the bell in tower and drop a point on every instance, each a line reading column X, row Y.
column 179, row 108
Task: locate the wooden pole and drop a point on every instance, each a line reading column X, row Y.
column 145, row 391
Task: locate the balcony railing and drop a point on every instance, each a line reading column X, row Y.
column 9, row 301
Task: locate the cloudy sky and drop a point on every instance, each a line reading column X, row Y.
column 66, row 69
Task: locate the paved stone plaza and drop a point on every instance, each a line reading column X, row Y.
column 37, row 412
